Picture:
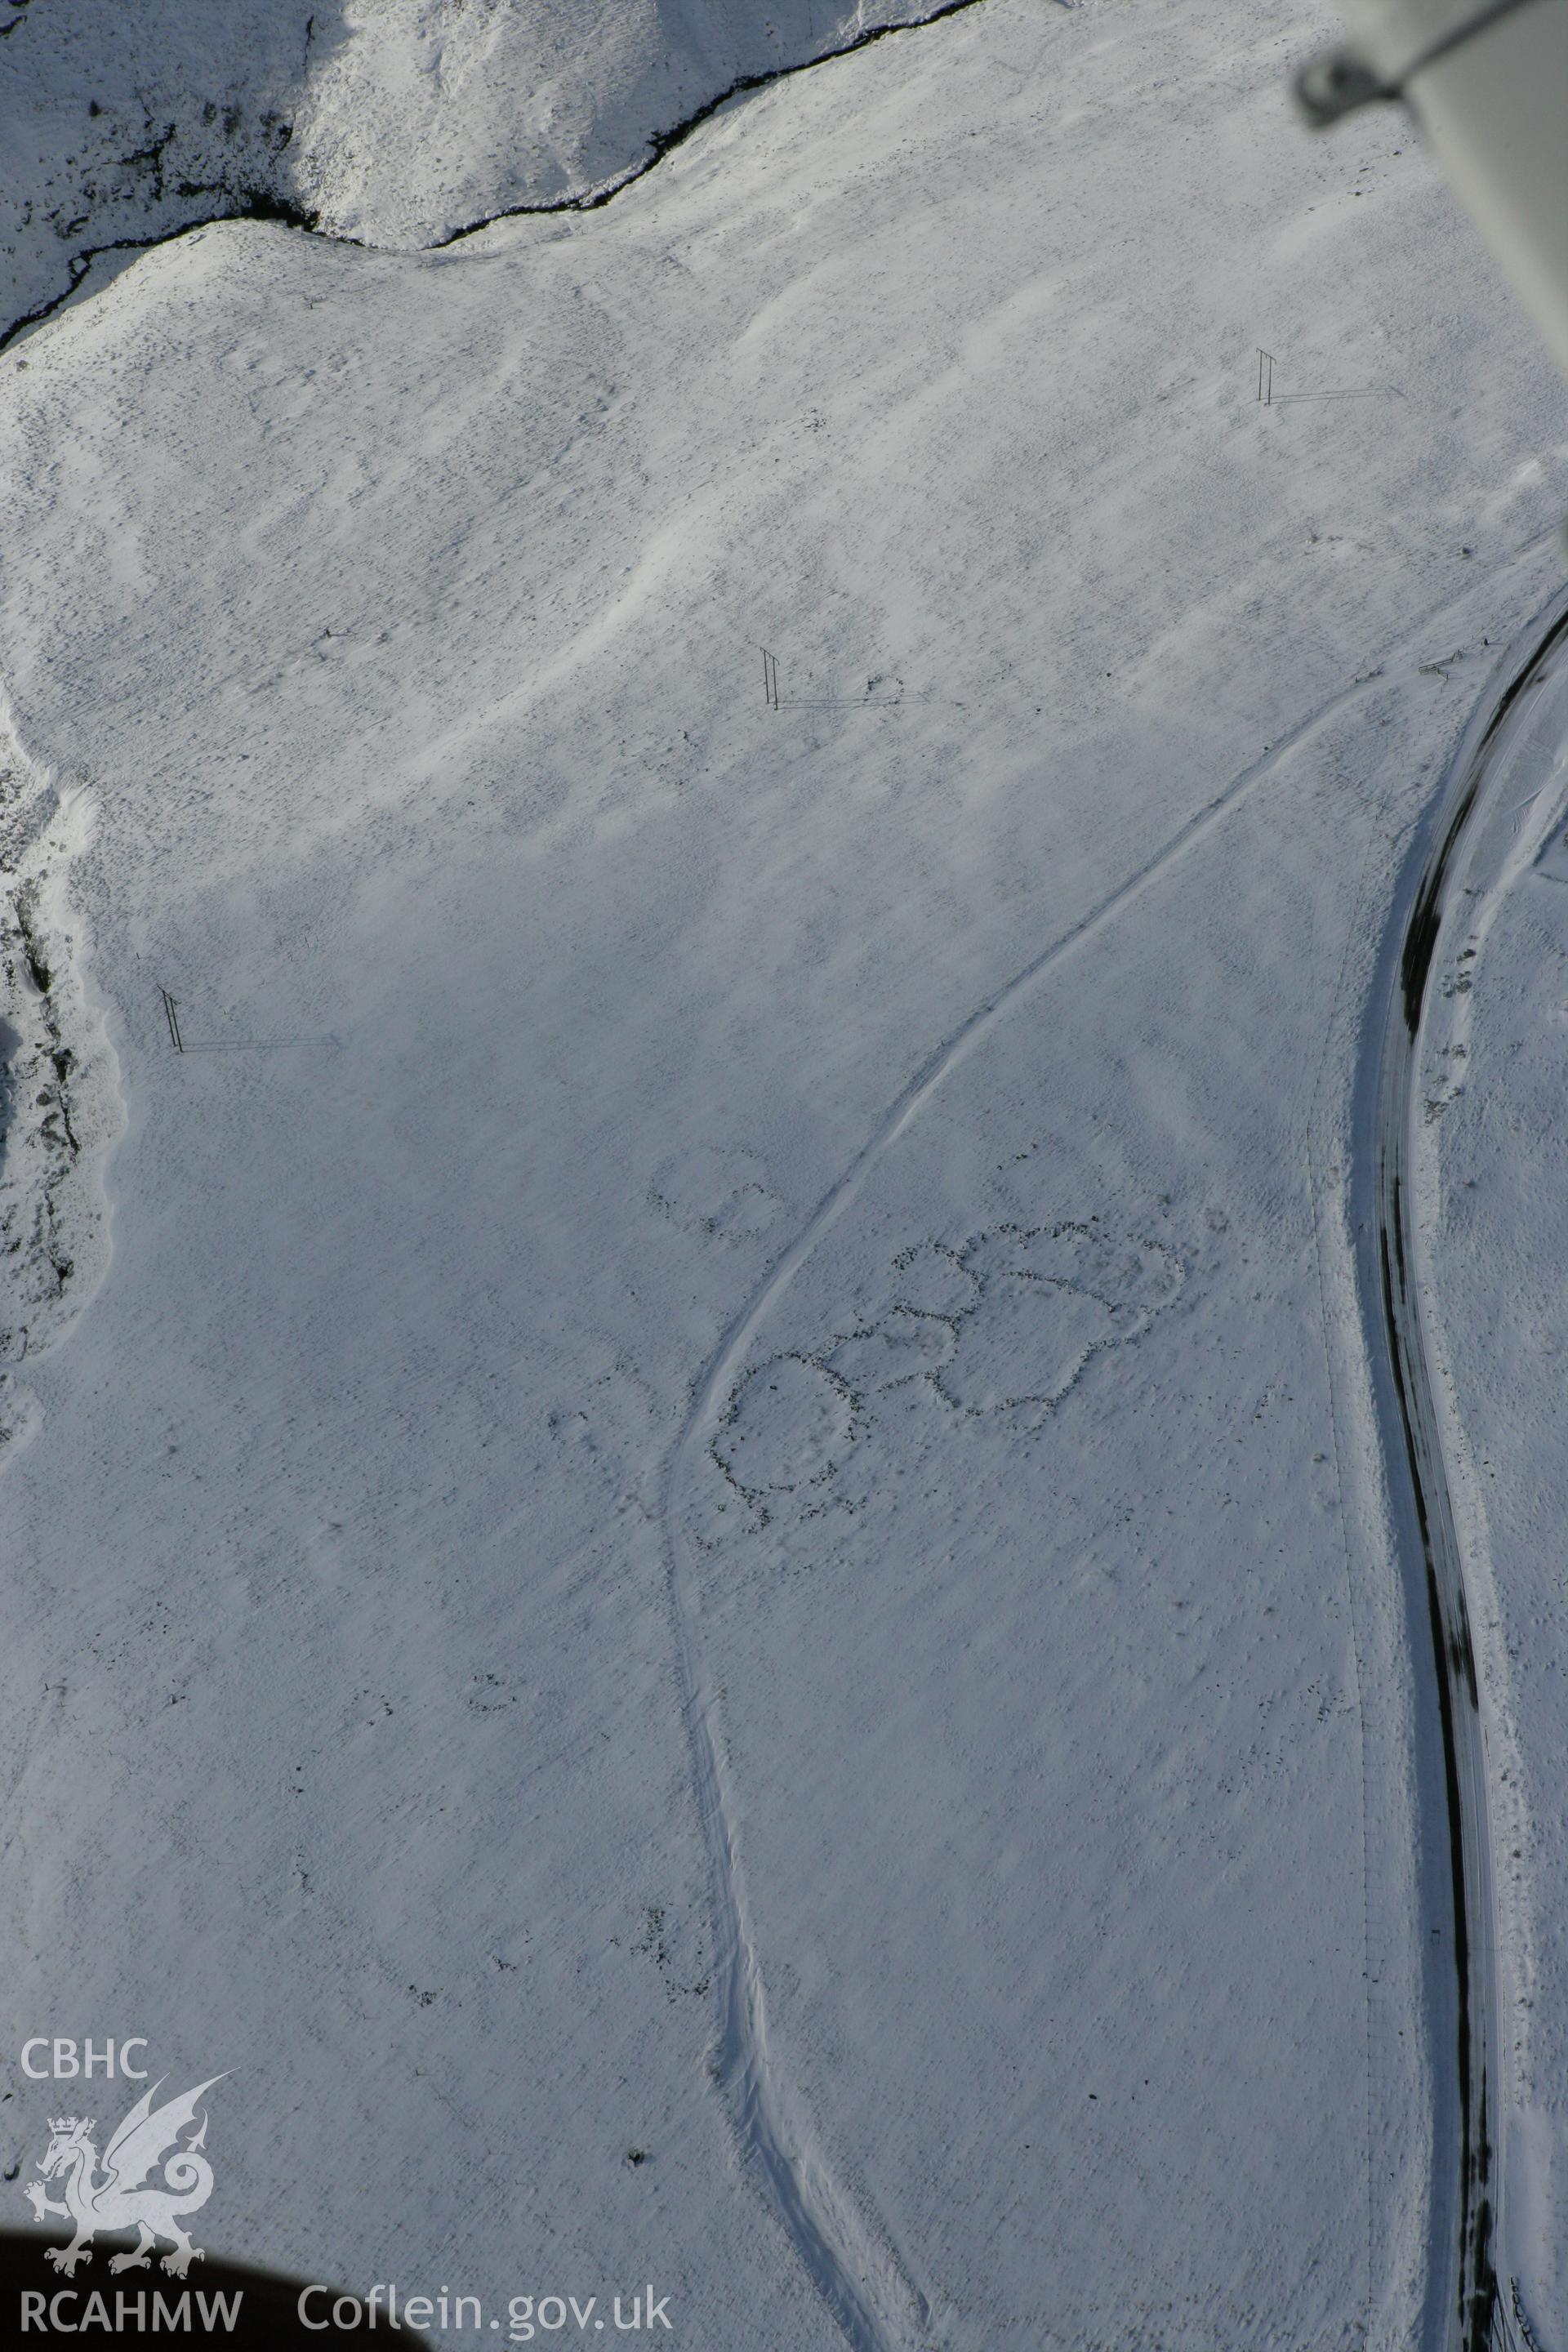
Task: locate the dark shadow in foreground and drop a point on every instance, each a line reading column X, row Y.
column 218, row 2302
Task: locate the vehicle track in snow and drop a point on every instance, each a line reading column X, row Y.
column 1466, row 2310
column 850, row 2255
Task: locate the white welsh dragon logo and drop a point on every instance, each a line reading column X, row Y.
column 126, row 2197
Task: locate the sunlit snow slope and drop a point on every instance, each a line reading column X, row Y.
column 396, row 122
column 720, row 1500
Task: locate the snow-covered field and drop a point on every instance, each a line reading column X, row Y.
column 697, row 1547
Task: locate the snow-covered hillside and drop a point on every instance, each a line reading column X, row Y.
column 705, row 1575
column 394, row 121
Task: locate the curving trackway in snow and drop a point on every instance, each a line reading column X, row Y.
column 866, row 2280
column 864, row 2277
column 1466, row 2311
